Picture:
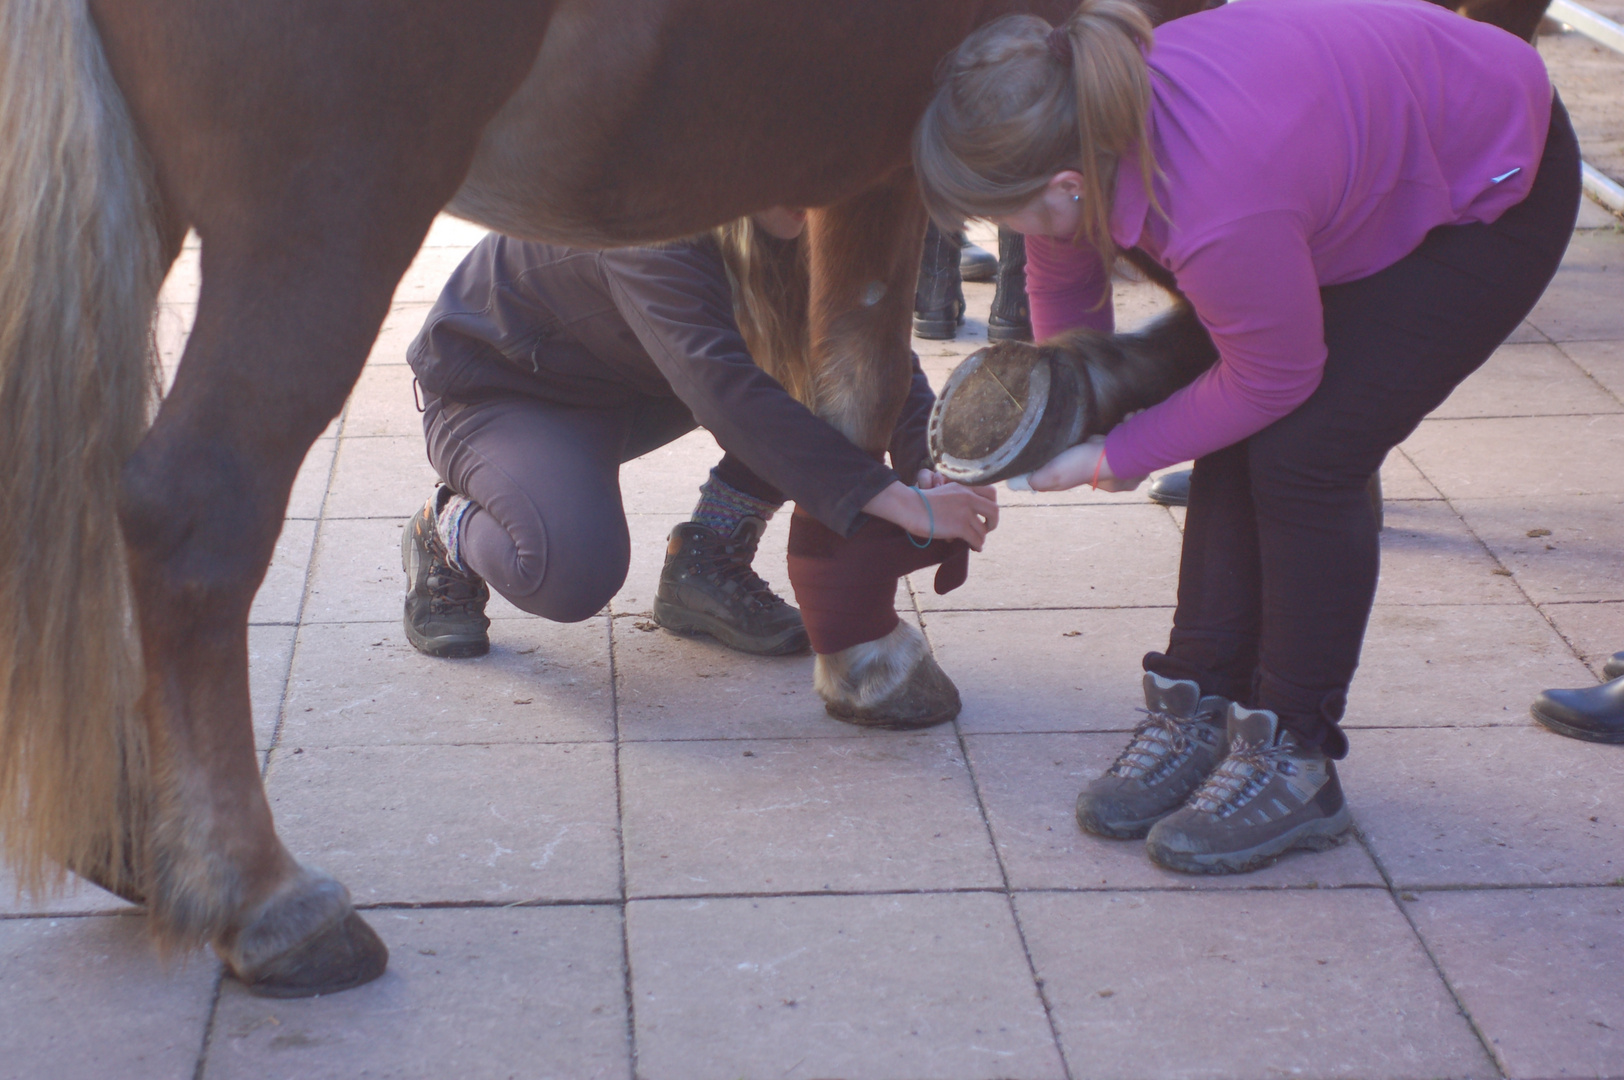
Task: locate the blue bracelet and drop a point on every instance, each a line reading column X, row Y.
column 932, row 514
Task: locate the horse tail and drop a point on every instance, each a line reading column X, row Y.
column 80, row 266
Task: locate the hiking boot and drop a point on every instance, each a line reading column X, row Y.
column 1267, row 796
column 708, row 587
column 1175, row 746
column 445, row 607
column 1011, row 316
column 939, row 295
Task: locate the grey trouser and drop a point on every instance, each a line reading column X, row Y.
column 548, row 531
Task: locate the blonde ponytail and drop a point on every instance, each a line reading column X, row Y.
column 1020, row 101
column 772, row 295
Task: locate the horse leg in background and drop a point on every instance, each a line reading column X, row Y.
column 864, row 259
column 334, row 161
column 1520, row 17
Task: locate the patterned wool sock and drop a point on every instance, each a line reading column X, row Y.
column 448, row 523
column 722, row 506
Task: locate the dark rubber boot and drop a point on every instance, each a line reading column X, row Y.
column 1594, row 714
column 708, row 587
column 1011, row 317
column 445, row 607
column 1171, row 489
column 939, row 296
column 976, row 263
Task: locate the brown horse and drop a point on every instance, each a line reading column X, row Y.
column 310, row 146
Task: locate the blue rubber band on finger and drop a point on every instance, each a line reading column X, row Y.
column 932, row 513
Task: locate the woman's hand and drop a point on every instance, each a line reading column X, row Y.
column 1082, row 464
column 961, row 513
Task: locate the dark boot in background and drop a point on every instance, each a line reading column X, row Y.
column 939, row 296
column 976, row 263
column 1011, row 317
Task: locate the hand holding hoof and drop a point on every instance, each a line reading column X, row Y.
column 1011, row 408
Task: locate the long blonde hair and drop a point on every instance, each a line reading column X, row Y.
column 1020, row 101
column 772, row 298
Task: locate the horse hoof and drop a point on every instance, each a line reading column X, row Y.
column 306, row 940
column 891, row 683
column 345, row 955
column 1006, row 410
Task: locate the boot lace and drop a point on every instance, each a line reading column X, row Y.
column 450, row 593
column 1161, row 742
column 1240, row 777
column 731, row 562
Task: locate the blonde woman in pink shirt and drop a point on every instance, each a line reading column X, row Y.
column 1361, row 199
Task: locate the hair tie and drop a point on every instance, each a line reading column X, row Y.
column 1059, row 43
column 932, row 514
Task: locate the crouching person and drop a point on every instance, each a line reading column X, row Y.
column 543, row 368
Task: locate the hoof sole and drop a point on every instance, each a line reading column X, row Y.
column 877, row 718
column 345, row 955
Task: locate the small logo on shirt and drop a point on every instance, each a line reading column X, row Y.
column 1505, row 175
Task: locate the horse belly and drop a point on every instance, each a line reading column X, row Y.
column 643, row 121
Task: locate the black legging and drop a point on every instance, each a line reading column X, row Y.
column 548, row 531
column 1280, row 557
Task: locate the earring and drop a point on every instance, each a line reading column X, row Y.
column 1076, row 198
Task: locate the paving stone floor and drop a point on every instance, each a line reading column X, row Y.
column 606, row 851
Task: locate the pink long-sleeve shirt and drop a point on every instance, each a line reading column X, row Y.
column 1301, row 143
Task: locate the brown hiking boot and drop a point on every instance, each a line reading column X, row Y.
column 445, row 607
column 1267, row 796
column 709, row 587
column 1175, row 746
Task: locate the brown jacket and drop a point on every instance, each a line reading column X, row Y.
column 600, row 329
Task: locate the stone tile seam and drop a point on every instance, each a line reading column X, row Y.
column 1417, row 891
column 836, row 736
column 1573, row 649
column 1397, row 895
column 201, row 1067
column 627, row 988
column 998, row 857
column 1592, row 415
column 1580, row 368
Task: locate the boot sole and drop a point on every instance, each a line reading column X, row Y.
column 1008, row 333
column 1318, row 835
column 791, row 642
column 1562, row 728
column 1132, row 830
column 936, row 331
column 446, row 646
